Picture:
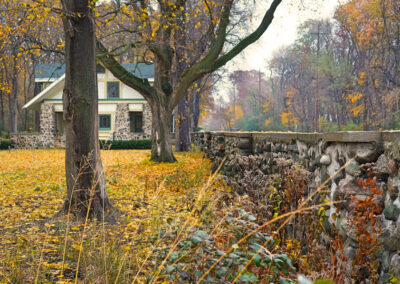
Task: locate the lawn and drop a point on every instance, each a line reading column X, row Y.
column 180, row 224
column 35, row 248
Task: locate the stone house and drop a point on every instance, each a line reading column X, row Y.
column 123, row 113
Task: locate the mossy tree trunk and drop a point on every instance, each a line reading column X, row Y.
column 86, row 185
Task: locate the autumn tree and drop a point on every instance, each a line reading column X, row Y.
column 86, row 185
column 29, row 34
column 372, row 31
column 157, row 24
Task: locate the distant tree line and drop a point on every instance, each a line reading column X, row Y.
column 340, row 74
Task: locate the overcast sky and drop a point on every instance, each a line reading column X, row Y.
column 289, row 15
column 282, row 32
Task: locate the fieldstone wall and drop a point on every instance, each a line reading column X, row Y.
column 147, row 122
column 48, row 125
column 47, row 136
column 27, row 141
column 122, row 124
column 358, row 167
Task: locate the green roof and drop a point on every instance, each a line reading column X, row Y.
column 49, row 71
column 53, row 71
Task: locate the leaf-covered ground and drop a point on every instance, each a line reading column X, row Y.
column 36, row 248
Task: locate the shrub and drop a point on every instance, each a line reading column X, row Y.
column 4, row 134
column 5, row 144
column 125, row 144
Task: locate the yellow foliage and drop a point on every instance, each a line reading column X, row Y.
column 268, row 121
column 33, row 188
column 355, row 106
column 354, row 97
column 234, row 113
column 288, row 119
column 356, row 111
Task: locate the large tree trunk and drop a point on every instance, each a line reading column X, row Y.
column 196, row 109
column 183, row 127
column 183, row 124
column 1, row 111
column 161, row 149
column 86, row 186
column 13, row 101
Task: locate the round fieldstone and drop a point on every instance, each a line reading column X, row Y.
column 353, row 168
column 391, row 212
column 325, row 160
column 382, row 164
column 393, row 191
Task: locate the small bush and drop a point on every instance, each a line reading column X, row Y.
column 5, row 144
column 125, row 144
column 4, row 134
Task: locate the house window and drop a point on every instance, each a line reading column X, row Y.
column 60, row 123
column 105, row 121
column 113, row 90
column 136, row 121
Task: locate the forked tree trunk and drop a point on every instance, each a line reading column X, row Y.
column 86, row 186
column 161, row 149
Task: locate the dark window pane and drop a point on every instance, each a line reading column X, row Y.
column 113, row 89
column 136, row 121
column 100, row 69
column 105, row 121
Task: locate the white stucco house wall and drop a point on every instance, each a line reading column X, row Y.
column 123, row 113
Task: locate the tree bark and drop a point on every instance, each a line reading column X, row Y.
column 86, row 185
column 196, row 109
column 13, row 101
column 183, row 127
column 161, row 148
column 1, row 111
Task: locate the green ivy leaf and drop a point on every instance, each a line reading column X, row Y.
column 170, row 268
column 257, row 260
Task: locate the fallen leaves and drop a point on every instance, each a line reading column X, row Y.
column 32, row 189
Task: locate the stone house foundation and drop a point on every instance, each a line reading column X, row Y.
column 49, row 138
